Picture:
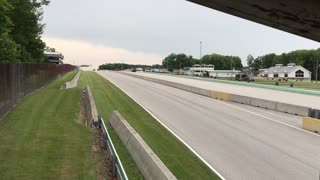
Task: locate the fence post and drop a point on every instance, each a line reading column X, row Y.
column 114, row 166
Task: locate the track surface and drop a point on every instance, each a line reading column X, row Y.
column 255, row 92
column 239, row 141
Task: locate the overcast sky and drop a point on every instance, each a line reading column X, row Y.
column 145, row 31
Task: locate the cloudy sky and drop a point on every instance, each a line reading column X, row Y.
column 145, row 31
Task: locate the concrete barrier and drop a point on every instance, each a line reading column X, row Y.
column 187, row 88
column 311, row 124
column 147, row 161
column 220, row 95
column 195, row 90
column 264, row 103
column 293, row 109
column 175, row 85
column 314, row 113
column 92, row 113
column 73, row 83
column 240, row 99
column 205, row 92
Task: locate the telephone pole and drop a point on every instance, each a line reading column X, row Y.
column 200, row 50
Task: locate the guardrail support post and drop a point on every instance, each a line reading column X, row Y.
column 99, row 122
column 114, row 166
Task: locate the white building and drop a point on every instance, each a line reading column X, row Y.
column 53, row 57
column 291, row 71
column 223, row 73
column 200, row 69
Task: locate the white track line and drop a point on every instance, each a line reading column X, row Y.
column 190, row 148
column 220, row 101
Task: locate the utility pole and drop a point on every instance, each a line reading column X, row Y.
column 317, row 71
column 200, row 50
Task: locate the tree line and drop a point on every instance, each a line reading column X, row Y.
column 122, row 66
column 221, row 62
column 306, row 58
column 180, row 61
column 20, row 31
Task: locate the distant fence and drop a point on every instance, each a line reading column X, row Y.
column 18, row 80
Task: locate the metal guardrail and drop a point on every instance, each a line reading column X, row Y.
column 117, row 168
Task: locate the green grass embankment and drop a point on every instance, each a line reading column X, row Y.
column 40, row 138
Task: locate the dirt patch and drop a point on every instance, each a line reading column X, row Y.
column 83, row 114
column 98, row 147
column 103, row 161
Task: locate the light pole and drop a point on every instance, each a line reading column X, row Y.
column 200, row 50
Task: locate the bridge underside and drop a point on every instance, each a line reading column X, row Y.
column 300, row 17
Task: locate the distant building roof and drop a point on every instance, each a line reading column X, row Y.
column 53, row 54
column 224, row 71
column 54, row 57
column 283, row 69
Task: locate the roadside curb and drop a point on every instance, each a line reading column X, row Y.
column 73, row 83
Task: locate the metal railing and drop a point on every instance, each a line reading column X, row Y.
column 117, row 168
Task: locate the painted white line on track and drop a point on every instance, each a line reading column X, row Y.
column 190, row 148
column 265, row 117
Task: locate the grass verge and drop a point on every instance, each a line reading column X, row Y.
column 296, row 84
column 177, row 157
column 40, row 138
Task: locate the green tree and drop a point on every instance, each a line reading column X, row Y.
column 177, row 61
column 222, row 62
column 250, row 60
column 9, row 50
column 27, row 29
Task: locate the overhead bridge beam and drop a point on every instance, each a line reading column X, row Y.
column 300, row 17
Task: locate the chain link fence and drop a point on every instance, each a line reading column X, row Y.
column 18, row 80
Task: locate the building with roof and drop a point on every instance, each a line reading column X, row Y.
column 291, row 71
column 223, row 73
column 53, row 57
column 200, row 69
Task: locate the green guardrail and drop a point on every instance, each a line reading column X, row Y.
column 251, row 84
column 117, row 168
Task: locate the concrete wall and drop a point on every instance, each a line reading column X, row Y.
column 314, row 113
column 240, row 99
column 220, row 95
column 264, row 103
column 311, row 124
column 272, row 105
column 73, row 83
column 293, row 109
column 147, row 161
column 92, row 114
